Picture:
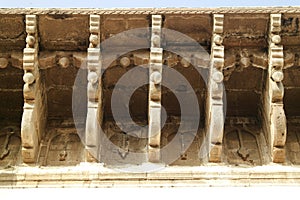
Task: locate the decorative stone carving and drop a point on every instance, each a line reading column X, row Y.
column 214, row 112
column 10, row 143
column 125, row 62
column 141, row 58
column 64, row 62
column 239, row 59
column 274, row 115
column 62, row 59
column 293, row 144
column 3, row 63
column 290, row 59
column 242, row 146
column 14, row 59
column 155, row 71
column 34, row 115
column 63, row 148
column 94, row 93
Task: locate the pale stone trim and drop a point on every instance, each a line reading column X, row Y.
column 94, row 94
column 154, row 102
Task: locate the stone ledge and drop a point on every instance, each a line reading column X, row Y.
column 95, row 175
column 128, row 11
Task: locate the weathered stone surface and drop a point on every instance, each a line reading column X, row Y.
column 12, row 32
column 115, row 24
column 199, row 28
column 244, row 146
column 34, row 114
column 53, row 30
column 214, row 111
column 154, row 101
column 252, row 121
column 245, row 30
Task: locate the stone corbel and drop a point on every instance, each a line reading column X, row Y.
column 274, row 115
column 289, row 60
column 62, row 59
column 155, row 73
column 14, row 59
column 141, row 58
column 94, row 94
column 197, row 59
column 214, row 112
column 239, row 59
column 229, row 64
column 137, row 58
column 259, row 59
column 34, row 114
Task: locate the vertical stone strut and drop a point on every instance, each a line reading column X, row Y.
column 34, row 115
column 275, row 120
column 155, row 72
column 94, row 115
column 215, row 113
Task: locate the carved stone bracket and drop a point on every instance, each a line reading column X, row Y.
column 34, row 115
column 214, row 111
column 155, row 72
column 94, row 114
column 274, row 115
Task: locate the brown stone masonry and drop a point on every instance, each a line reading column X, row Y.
column 249, row 127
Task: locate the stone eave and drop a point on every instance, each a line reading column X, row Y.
column 128, row 11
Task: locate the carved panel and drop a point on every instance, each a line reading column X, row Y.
column 134, row 141
column 242, row 146
column 188, row 156
column 10, row 143
column 63, row 147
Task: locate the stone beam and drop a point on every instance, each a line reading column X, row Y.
column 274, row 115
column 214, row 111
column 34, row 115
column 155, row 72
column 94, row 114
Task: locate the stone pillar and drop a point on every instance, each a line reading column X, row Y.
column 94, row 115
column 155, row 72
column 34, row 114
column 274, row 115
column 214, row 110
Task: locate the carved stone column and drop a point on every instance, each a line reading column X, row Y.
column 34, row 115
column 94, row 115
column 214, row 111
column 274, row 115
column 155, row 72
